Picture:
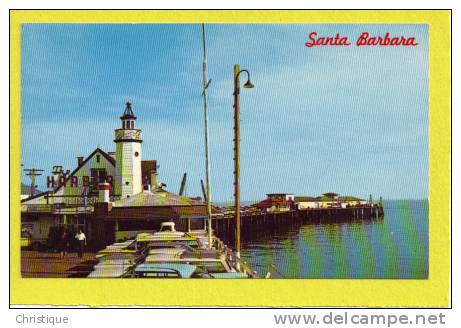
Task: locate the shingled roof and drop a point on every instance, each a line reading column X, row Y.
column 156, row 198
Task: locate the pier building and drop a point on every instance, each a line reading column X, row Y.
column 110, row 195
column 278, row 202
column 284, row 202
column 328, row 200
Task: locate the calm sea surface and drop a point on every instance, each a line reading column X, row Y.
column 395, row 246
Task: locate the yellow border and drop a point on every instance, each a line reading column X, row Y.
column 433, row 292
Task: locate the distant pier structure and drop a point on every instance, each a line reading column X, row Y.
column 284, row 211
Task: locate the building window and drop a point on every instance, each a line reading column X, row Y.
column 136, row 154
column 98, row 158
column 127, row 183
column 97, row 176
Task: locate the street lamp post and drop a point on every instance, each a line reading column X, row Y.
column 247, row 85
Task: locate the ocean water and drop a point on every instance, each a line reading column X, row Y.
column 393, row 247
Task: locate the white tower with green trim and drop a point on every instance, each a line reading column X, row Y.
column 128, row 178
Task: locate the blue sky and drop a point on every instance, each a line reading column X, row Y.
column 348, row 119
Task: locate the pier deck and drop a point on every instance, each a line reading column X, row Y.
column 35, row 264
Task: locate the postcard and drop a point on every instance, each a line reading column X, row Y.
column 296, row 158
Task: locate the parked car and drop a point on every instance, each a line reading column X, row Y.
column 164, row 270
column 26, row 239
column 111, row 271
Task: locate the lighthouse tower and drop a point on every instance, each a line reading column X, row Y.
column 128, row 178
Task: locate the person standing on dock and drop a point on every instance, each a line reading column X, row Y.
column 81, row 239
column 63, row 243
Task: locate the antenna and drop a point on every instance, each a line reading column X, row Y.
column 33, row 173
column 206, row 83
column 203, row 191
column 204, row 57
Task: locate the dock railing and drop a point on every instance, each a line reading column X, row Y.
column 234, row 261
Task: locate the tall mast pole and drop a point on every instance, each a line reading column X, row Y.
column 207, row 160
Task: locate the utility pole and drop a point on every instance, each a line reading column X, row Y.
column 207, row 160
column 33, row 173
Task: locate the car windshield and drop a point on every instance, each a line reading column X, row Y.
column 132, row 246
column 211, row 267
column 163, row 245
column 160, row 246
column 117, row 257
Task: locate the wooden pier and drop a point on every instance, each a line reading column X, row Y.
column 252, row 223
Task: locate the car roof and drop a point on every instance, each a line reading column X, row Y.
column 163, row 238
column 185, row 270
column 229, row 275
column 163, row 242
column 115, row 261
column 108, row 271
column 128, row 255
column 103, row 253
column 190, row 259
column 203, row 254
column 126, row 242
